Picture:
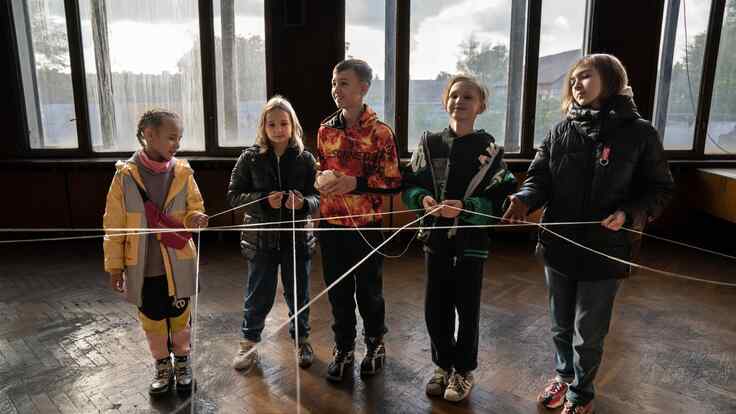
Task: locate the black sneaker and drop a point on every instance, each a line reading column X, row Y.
column 340, row 360
column 163, row 378
column 306, row 354
column 375, row 356
column 183, row 372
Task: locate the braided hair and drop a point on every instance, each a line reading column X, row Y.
column 152, row 119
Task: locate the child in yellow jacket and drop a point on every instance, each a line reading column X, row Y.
column 156, row 271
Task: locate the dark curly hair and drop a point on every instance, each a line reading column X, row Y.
column 152, row 118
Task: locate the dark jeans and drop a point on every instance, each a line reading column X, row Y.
column 581, row 314
column 453, row 286
column 341, row 250
column 260, row 292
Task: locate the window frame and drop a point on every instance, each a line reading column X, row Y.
column 707, row 80
column 531, row 13
column 76, row 56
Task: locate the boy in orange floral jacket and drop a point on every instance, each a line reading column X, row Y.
column 358, row 165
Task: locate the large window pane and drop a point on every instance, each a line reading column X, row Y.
column 721, row 137
column 470, row 36
column 45, row 72
column 683, row 59
column 240, row 58
column 141, row 54
column 560, row 46
column 365, row 33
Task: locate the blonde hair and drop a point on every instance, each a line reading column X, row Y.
column 280, row 103
column 462, row 77
column 611, row 71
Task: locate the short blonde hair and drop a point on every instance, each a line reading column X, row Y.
column 281, row 103
column 611, row 71
column 462, row 77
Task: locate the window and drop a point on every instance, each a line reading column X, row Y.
column 367, row 32
column 472, row 36
column 138, row 55
column 43, row 48
column 240, row 59
column 560, row 46
column 681, row 67
column 721, row 133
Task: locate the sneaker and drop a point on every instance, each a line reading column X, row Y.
column 459, row 386
column 578, row 408
column 305, row 354
column 438, row 383
column 247, row 356
column 340, row 359
column 375, row 356
column 553, row 395
column 163, row 378
column 183, row 372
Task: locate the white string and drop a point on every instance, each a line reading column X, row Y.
column 616, row 259
column 295, row 306
column 338, row 280
column 239, row 207
column 195, row 327
column 388, row 256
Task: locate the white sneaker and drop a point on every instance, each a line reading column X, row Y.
column 459, row 386
column 247, row 356
column 437, row 384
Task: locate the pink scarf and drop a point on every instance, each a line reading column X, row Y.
column 156, row 166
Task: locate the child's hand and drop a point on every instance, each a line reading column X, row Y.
column 274, row 199
column 615, row 221
column 430, row 203
column 117, row 281
column 450, row 212
column 517, row 211
column 199, row 220
column 295, row 200
column 342, row 184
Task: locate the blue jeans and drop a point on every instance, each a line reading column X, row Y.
column 581, row 314
column 260, row 292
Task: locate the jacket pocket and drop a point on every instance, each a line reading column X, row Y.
column 132, row 241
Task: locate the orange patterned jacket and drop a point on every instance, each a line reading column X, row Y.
column 366, row 151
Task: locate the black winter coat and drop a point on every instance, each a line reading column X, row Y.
column 572, row 181
column 254, row 176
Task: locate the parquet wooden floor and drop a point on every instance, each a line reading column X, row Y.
column 69, row 344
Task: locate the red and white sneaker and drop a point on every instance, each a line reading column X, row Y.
column 575, row 408
column 553, row 395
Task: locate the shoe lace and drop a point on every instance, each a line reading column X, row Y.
column 459, row 382
column 304, row 348
column 163, row 371
column 573, row 408
column 182, row 369
column 553, row 388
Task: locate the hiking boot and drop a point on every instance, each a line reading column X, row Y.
column 438, row 383
column 459, row 386
column 247, row 356
column 305, row 354
column 183, row 372
column 578, row 408
column 340, row 360
column 375, row 356
column 553, row 395
column 163, row 378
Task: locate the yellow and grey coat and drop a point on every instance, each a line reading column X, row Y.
column 125, row 210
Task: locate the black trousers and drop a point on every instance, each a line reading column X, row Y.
column 341, row 250
column 453, row 284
